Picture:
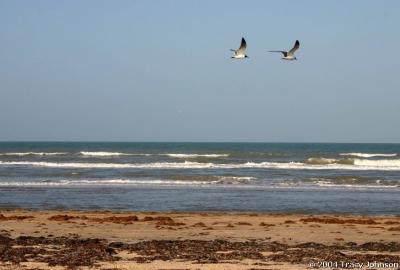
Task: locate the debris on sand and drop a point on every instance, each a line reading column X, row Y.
column 266, row 224
column 169, row 223
column 199, row 224
column 110, row 219
column 5, row 218
column 243, row 223
column 70, row 252
column 339, row 221
column 73, row 252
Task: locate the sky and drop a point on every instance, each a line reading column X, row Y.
column 161, row 71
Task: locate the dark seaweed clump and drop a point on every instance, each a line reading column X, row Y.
column 73, row 252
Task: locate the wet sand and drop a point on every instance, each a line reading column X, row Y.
column 152, row 240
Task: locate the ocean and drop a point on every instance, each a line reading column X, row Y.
column 262, row 177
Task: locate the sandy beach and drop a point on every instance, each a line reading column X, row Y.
column 206, row 240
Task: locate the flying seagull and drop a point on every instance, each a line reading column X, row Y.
column 240, row 53
column 290, row 54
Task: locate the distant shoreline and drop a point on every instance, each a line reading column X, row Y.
column 4, row 209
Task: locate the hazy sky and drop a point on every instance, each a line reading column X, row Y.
column 161, row 71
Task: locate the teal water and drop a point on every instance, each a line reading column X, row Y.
column 283, row 177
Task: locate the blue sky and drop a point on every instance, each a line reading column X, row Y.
column 161, row 71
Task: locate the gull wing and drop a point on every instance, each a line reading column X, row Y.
column 243, row 46
column 283, row 52
column 295, row 47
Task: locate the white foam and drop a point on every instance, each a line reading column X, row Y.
column 103, row 154
column 380, row 163
column 321, row 161
column 174, row 155
column 353, row 186
column 368, row 155
column 165, row 183
column 131, row 182
column 359, row 164
column 377, row 163
column 33, row 153
column 107, row 182
column 196, row 155
column 328, row 184
column 237, row 180
column 160, row 165
column 240, row 178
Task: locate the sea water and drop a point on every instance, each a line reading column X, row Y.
column 264, row 177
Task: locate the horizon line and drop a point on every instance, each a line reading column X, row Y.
column 248, row 142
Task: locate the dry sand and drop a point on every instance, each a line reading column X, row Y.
column 110, row 240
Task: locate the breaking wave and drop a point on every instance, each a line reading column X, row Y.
column 354, row 181
column 222, row 181
column 382, row 163
column 109, row 182
column 368, row 155
column 173, row 155
column 33, row 154
column 103, row 154
column 206, row 180
column 342, row 182
column 376, row 185
column 196, row 155
column 309, row 164
column 326, row 161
